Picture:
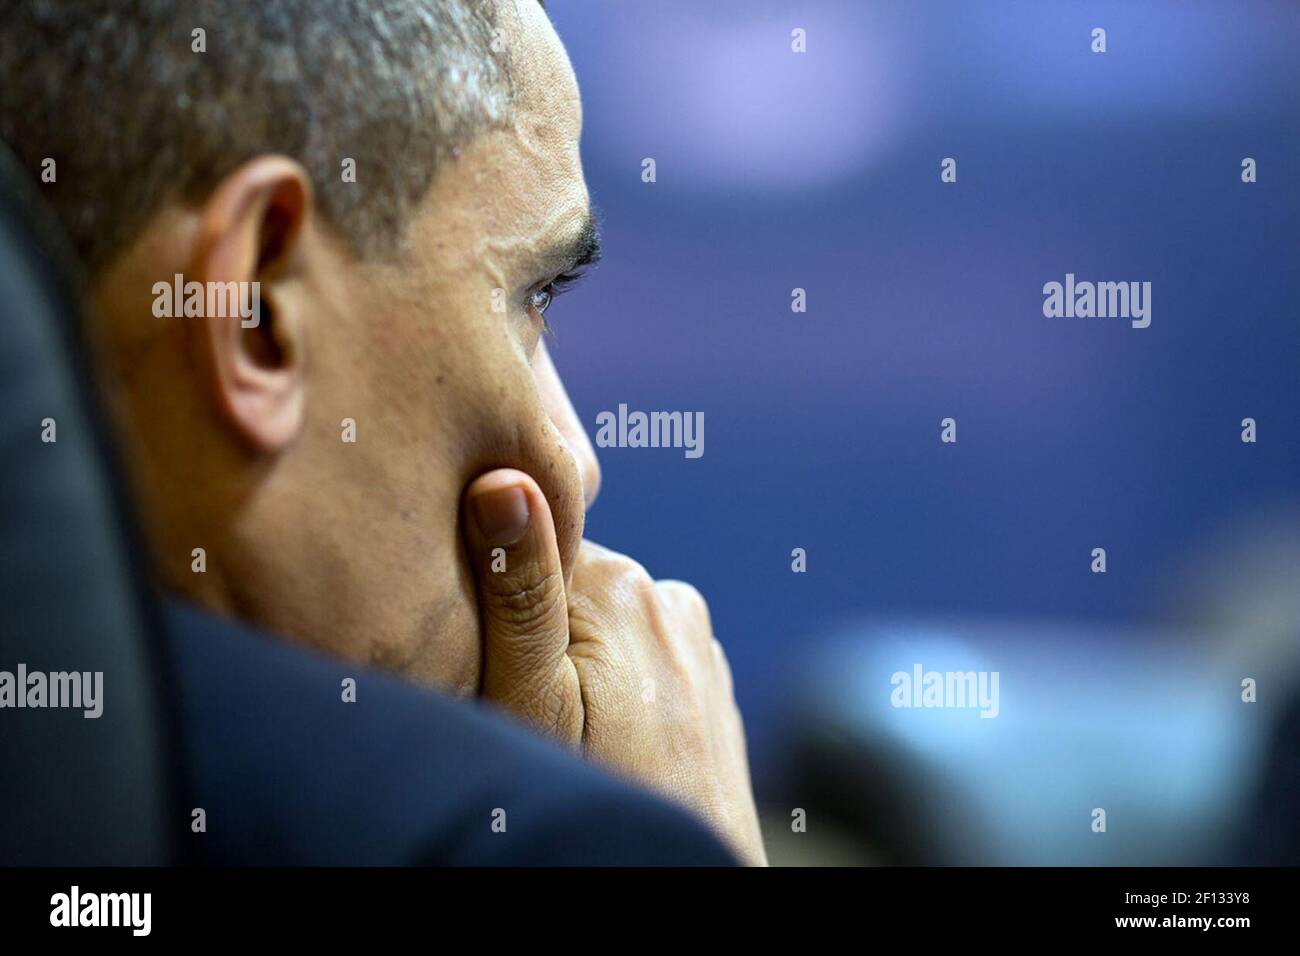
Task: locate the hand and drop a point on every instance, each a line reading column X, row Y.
column 617, row 664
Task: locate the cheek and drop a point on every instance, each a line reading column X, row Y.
column 458, row 629
column 496, row 410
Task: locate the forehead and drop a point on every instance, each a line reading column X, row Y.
column 517, row 188
column 545, row 86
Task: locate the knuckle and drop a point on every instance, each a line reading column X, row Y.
column 723, row 665
column 687, row 607
column 634, row 577
column 616, row 573
column 525, row 601
column 590, row 553
column 600, row 559
column 685, row 596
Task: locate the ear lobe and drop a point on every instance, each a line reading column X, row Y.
column 248, row 261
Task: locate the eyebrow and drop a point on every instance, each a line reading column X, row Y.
column 583, row 249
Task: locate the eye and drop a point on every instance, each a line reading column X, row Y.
column 540, row 300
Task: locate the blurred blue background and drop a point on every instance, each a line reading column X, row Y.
column 820, row 170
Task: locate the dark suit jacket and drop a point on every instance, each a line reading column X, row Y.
column 288, row 773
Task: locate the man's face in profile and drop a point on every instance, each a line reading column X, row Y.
column 436, row 354
column 462, row 386
column 382, row 463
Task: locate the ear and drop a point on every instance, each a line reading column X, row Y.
column 249, row 234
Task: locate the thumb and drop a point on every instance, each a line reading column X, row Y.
column 510, row 538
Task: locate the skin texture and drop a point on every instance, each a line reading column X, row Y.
column 234, row 438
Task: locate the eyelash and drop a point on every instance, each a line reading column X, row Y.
column 556, row 287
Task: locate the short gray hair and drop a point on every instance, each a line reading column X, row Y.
column 134, row 118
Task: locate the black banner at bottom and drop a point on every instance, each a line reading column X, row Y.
column 378, row 905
